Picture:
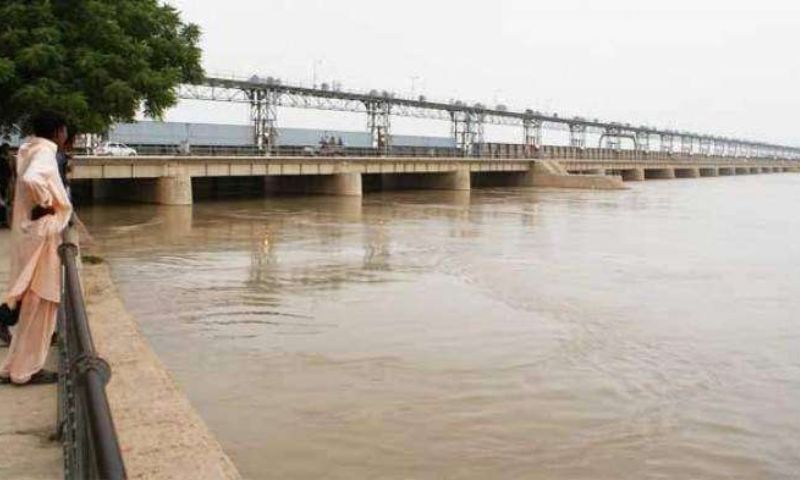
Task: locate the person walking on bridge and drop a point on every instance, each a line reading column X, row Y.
column 42, row 211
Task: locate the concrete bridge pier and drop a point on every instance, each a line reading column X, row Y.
column 345, row 184
column 709, row 172
column 687, row 172
column 659, row 173
column 633, row 175
column 173, row 190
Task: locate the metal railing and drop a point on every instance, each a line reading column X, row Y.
column 85, row 426
column 486, row 150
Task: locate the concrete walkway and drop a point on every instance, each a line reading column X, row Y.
column 27, row 417
column 161, row 436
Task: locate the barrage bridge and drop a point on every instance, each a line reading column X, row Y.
column 649, row 153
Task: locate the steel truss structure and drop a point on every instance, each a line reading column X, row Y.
column 468, row 121
column 531, row 134
column 577, row 135
column 643, row 141
column 468, row 130
column 379, row 123
column 667, row 142
column 264, row 114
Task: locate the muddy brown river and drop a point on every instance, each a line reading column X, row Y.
column 501, row 333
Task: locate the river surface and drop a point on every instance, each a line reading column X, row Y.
column 502, row 333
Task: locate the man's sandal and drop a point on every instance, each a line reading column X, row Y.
column 42, row 377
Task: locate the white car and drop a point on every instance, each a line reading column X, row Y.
column 114, row 149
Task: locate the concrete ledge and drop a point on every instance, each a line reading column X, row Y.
column 161, row 435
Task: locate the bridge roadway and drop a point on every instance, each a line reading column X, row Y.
column 169, row 180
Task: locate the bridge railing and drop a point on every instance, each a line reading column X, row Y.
column 85, row 426
column 489, row 150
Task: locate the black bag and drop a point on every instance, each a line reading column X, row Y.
column 8, row 317
column 39, row 211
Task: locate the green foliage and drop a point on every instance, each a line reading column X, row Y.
column 96, row 61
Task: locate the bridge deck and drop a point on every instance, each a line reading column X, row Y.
column 233, row 166
column 221, row 166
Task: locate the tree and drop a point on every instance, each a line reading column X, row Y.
column 96, row 61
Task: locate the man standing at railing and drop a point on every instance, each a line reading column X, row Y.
column 41, row 212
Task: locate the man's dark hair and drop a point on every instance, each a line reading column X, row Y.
column 46, row 124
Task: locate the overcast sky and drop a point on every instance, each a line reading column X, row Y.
column 725, row 67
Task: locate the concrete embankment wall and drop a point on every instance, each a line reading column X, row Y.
column 161, row 435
